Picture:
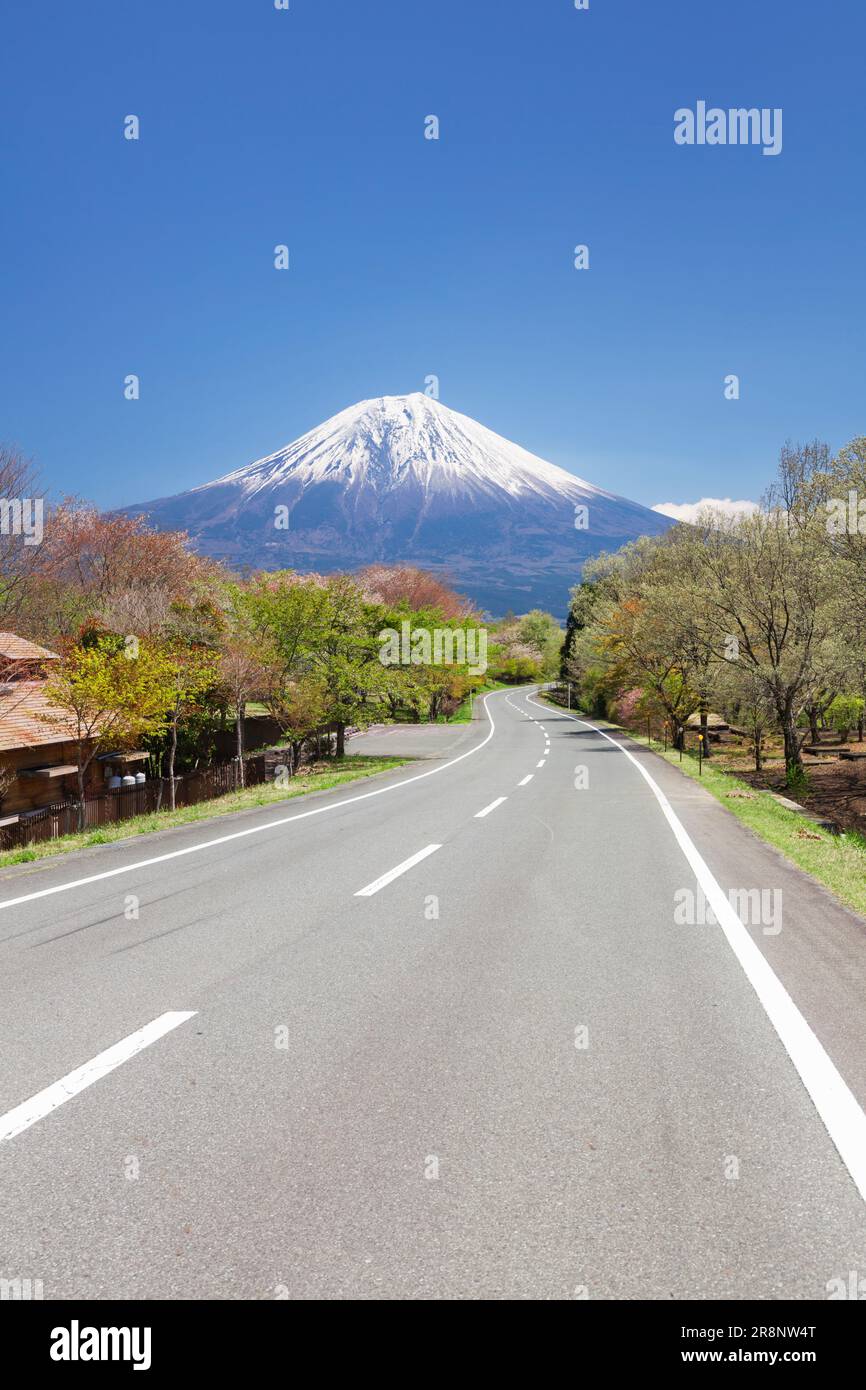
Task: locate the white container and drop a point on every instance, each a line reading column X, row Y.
column 129, row 780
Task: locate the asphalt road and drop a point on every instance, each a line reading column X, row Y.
column 510, row 1070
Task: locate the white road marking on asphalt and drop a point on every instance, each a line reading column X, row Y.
column 522, row 712
column 38, row 1106
column 836, row 1104
column 253, row 830
column 541, row 764
column 395, row 873
column 492, row 807
column 526, row 779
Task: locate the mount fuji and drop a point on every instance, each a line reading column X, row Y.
column 404, row 480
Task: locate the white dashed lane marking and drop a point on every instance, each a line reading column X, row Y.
column 38, row 1106
column 395, row 873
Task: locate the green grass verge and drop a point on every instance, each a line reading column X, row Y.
column 318, row 779
column 836, row 861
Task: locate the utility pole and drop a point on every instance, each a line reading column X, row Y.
column 569, row 694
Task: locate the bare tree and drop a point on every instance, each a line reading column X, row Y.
column 21, row 553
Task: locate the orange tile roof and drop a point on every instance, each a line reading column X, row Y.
column 15, row 648
column 21, row 704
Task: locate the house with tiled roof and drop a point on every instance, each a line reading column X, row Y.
column 38, row 752
column 17, row 653
column 36, row 747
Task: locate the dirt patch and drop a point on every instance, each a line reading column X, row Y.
column 837, row 787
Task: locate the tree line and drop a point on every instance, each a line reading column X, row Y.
column 163, row 648
column 756, row 617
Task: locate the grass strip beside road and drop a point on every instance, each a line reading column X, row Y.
column 836, row 861
column 319, row 777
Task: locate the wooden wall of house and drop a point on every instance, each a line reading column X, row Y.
column 29, row 793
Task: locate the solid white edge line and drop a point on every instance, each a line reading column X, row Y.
column 395, row 873
column 834, row 1101
column 526, row 779
column 492, row 807
column 38, row 1106
column 253, row 830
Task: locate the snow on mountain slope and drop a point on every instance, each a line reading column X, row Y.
column 397, row 440
column 403, row 479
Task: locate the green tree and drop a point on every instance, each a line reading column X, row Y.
column 642, row 635
column 242, row 672
column 324, row 629
column 111, row 695
column 190, row 673
column 300, row 708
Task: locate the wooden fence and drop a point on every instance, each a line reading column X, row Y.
column 49, row 823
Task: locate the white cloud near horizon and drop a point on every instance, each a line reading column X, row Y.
column 690, row 511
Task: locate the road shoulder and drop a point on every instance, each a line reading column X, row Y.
column 819, row 950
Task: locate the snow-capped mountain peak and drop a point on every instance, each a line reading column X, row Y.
column 390, row 441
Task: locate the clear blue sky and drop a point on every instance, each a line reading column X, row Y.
column 412, row 257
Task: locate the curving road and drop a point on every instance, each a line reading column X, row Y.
column 444, row 1035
